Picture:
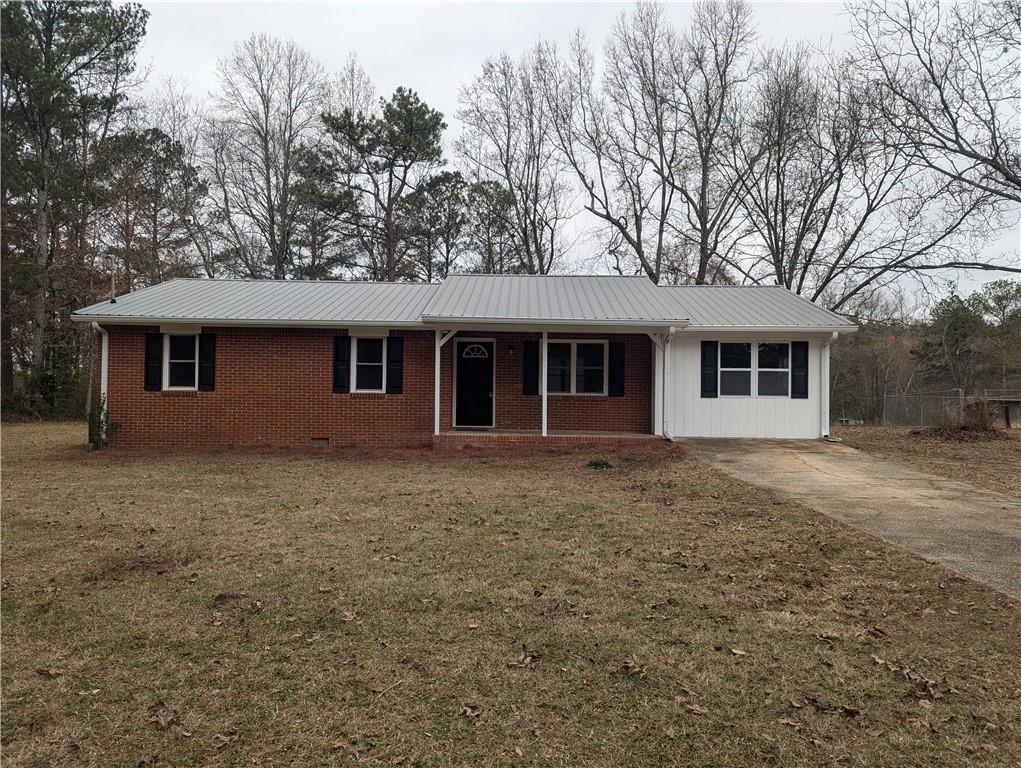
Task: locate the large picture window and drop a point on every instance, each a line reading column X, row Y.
column 774, row 369
column 181, row 361
column 576, row 367
column 369, row 371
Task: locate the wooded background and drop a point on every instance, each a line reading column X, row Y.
column 856, row 178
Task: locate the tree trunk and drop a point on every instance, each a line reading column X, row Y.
column 42, row 277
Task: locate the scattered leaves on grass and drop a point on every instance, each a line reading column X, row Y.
column 526, row 659
column 221, row 740
column 162, row 715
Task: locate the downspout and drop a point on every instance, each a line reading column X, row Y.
column 667, row 395
column 824, row 386
column 104, row 376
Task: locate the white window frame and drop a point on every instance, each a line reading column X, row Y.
column 574, row 367
column 752, row 350
column 786, row 370
column 166, row 363
column 753, row 372
column 354, row 364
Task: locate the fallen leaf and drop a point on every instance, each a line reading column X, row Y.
column 348, row 616
column 696, row 709
column 217, row 619
column 790, row 721
column 221, row 740
column 470, row 711
column 50, row 673
column 738, row 652
column 162, row 715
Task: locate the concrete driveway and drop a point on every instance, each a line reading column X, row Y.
column 972, row 531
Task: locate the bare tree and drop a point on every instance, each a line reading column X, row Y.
column 838, row 210
column 621, row 136
column 509, row 138
column 271, row 96
column 710, row 65
column 948, row 75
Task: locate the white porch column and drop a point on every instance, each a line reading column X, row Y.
column 668, row 396
column 542, row 382
column 824, row 386
column 436, row 384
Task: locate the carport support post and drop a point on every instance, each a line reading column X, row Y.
column 542, row 381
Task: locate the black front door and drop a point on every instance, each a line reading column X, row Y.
column 474, row 384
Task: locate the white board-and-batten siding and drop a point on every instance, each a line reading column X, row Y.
column 691, row 415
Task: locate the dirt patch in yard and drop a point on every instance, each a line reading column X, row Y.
column 473, row 608
column 993, row 463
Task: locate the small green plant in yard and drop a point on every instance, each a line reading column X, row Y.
column 598, row 464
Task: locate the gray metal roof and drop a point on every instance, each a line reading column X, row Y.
column 750, row 306
column 467, row 299
column 588, row 299
column 284, row 302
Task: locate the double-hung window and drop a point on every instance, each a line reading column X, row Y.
column 369, row 370
column 774, row 364
column 576, row 367
column 762, row 370
column 181, row 361
column 735, row 369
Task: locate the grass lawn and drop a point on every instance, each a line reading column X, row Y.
column 471, row 608
column 994, row 464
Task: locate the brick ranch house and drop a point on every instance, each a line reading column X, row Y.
column 219, row 363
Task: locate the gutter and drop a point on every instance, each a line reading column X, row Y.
column 104, row 375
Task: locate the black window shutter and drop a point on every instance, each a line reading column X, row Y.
column 799, row 370
column 207, row 362
column 153, row 362
column 395, row 365
column 616, row 369
column 710, row 361
column 341, row 363
column 530, row 368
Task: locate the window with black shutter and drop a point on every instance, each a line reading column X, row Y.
column 395, row 365
column 153, row 362
column 207, row 362
column 530, row 368
column 799, row 370
column 341, row 364
column 710, row 363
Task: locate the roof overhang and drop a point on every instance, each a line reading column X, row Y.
column 557, row 325
column 214, row 322
column 767, row 330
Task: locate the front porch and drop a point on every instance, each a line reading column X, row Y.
column 526, row 386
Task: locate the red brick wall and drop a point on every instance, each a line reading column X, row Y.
column 274, row 388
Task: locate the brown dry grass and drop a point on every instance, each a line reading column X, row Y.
column 993, row 463
column 473, row 609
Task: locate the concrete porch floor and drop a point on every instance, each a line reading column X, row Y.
column 534, row 437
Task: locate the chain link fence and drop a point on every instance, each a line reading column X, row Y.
column 924, row 409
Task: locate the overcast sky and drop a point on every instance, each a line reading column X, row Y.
column 432, row 47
